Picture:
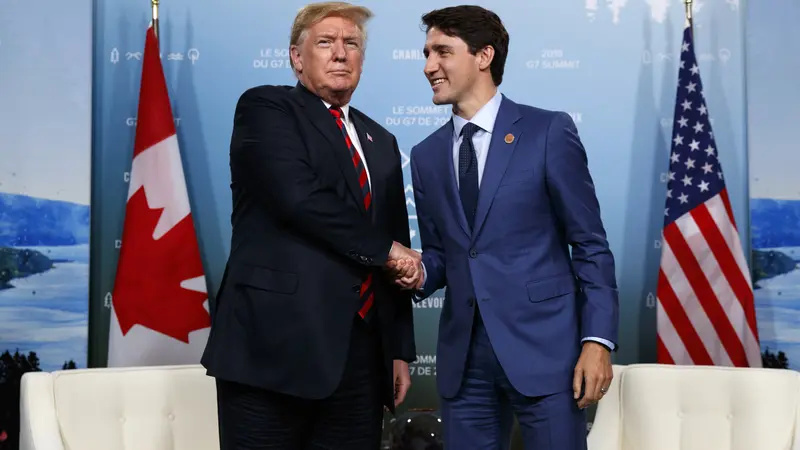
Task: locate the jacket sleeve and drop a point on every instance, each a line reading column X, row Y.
column 432, row 249
column 572, row 192
column 405, row 345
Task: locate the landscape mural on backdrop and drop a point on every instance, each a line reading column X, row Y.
column 44, row 278
column 44, row 291
column 775, row 237
column 773, row 47
column 45, row 195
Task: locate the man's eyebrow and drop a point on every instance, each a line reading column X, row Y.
column 437, row 48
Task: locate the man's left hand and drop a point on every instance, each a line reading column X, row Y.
column 593, row 369
column 402, row 381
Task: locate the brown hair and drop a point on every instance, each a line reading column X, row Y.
column 477, row 27
column 314, row 12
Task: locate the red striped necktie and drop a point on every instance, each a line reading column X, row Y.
column 366, row 292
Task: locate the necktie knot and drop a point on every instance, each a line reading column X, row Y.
column 469, row 130
column 336, row 112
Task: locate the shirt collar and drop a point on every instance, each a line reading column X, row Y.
column 345, row 110
column 484, row 118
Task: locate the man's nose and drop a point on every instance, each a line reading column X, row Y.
column 431, row 66
column 339, row 52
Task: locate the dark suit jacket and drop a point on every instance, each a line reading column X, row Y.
column 301, row 245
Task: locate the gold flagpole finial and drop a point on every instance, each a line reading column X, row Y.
column 154, row 5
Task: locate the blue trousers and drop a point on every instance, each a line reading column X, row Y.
column 481, row 416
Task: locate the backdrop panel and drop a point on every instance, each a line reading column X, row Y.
column 773, row 94
column 45, row 159
column 611, row 64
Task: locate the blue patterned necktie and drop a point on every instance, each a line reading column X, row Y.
column 468, row 172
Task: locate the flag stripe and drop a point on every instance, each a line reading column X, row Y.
column 727, row 224
column 705, row 294
column 720, row 213
column 727, row 202
column 674, row 351
column 713, row 272
column 722, row 220
column 681, row 324
column 700, row 321
column 663, row 354
column 721, row 250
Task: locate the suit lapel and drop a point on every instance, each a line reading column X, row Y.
column 319, row 115
column 500, row 151
column 445, row 157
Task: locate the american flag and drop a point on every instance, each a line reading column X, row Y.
column 705, row 312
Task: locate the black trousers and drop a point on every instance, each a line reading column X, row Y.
column 251, row 418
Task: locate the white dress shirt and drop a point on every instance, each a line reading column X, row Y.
column 484, row 119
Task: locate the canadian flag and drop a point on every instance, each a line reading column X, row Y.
column 159, row 304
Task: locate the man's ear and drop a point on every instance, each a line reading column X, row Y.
column 485, row 57
column 297, row 60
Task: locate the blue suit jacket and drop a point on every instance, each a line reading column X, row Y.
column 536, row 201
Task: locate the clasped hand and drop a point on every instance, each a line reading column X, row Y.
column 405, row 266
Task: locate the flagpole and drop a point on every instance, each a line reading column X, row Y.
column 154, row 5
column 688, row 4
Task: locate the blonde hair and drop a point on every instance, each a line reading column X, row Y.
column 312, row 13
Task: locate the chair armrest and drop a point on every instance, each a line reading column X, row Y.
column 606, row 427
column 38, row 422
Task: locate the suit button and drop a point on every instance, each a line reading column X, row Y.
column 471, row 301
column 473, row 253
column 356, row 288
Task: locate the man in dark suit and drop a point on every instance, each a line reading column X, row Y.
column 310, row 338
column 502, row 192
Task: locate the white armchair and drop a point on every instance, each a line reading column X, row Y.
column 665, row 407
column 142, row 408
column 648, row 407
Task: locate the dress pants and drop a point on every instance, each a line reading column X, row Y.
column 251, row 418
column 481, row 415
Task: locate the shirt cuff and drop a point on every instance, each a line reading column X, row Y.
column 605, row 342
column 419, row 294
column 425, row 275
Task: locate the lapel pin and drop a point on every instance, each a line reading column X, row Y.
column 369, row 138
column 509, row 138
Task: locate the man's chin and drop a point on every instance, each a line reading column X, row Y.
column 441, row 100
column 342, row 92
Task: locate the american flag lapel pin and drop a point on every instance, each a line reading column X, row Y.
column 369, row 138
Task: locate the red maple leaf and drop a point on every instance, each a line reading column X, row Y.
column 147, row 289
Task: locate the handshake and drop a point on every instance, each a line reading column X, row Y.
column 405, row 266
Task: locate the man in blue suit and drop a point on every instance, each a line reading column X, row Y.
column 502, row 192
